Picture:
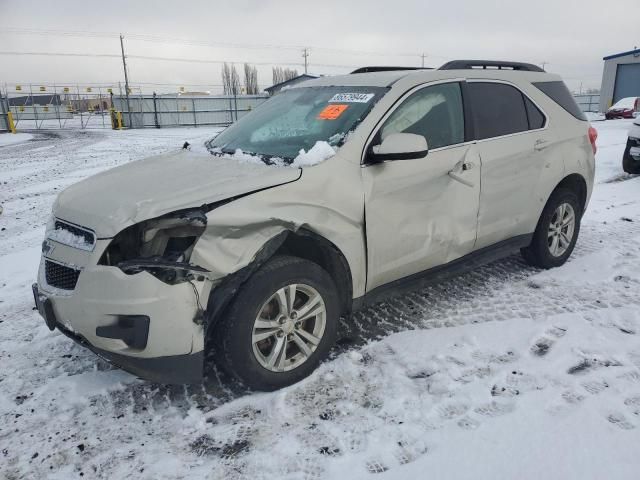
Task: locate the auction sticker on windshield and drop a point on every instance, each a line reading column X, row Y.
column 331, row 112
column 351, row 98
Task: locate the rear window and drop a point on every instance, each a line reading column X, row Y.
column 559, row 93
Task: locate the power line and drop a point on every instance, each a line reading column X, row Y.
column 166, row 59
column 202, row 43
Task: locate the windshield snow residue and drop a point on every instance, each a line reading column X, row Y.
column 320, row 152
column 298, row 125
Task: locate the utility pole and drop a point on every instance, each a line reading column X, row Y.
column 126, row 79
column 423, row 56
column 305, row 55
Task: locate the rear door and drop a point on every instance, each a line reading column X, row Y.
column 417, row 215
column 512, row 138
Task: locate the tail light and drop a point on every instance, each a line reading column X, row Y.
column 593, row 136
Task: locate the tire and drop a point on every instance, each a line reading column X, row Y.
column 630, row 165
column 540, row 252
column 233, row 338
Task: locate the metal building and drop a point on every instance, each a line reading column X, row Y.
column 620, row 78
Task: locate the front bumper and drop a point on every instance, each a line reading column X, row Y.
column 173, row 369
column 168, row 348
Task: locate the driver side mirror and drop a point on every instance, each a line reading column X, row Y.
column 399, row 146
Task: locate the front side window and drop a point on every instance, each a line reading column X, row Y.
column 434, row 112
column 498, row 109
column 296, row 120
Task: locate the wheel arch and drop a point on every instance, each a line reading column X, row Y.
column 302, row 243
column 311, row 246
column 576, row 183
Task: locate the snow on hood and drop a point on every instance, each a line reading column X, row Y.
column 320, row 152
column 144, row 189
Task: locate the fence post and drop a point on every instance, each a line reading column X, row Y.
column 10, row 124
column 193, row 107
column 155, row 110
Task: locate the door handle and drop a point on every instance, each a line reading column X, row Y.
column 460, row 168
column 541, row 144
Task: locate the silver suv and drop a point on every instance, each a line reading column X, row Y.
column 330, row 196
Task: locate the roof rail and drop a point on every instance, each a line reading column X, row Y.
column 386, row 69
column 484, row 64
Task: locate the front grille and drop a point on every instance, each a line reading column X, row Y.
column 87, row 235
column 59, row 276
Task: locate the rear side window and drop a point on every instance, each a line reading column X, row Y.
column 536, row 118
column 559, row 93
column 498, row 109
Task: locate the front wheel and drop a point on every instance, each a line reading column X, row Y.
column 557, row 231
column 280, row 326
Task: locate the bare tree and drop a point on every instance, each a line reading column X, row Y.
column 230, row 79
column 250, row 79
column 283, row 74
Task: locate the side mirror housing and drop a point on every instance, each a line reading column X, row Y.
column 399, row 146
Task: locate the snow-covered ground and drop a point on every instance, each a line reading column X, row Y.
column 11, row 138
column 505, row 372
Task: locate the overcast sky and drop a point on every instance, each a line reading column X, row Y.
column 572, row 36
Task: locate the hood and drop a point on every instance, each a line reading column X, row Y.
column 112, row 200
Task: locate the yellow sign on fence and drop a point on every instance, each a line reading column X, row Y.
column 109, row 90
column 88, row 89
column 21, row 108
column 65, row 89
column 43, row 89
column 46, row 109
column 18, row 88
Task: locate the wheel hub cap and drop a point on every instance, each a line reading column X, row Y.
column 561, row 229
column 289, row 327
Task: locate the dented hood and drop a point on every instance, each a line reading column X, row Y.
column 137, row 191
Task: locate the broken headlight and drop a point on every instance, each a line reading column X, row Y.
column 161, row 246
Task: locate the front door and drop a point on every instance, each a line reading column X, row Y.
column 422, row 213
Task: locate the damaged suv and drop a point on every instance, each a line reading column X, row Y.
column 332, row 195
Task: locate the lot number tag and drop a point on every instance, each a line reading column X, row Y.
column 331, row 112
column 351, row 98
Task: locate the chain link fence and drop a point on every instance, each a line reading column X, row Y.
column 588, row 102
column 54, row 106
column 183, row 110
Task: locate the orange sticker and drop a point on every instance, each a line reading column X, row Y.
column 331, row 112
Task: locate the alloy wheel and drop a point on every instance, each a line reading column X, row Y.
column 561, row 229
column 289, row 327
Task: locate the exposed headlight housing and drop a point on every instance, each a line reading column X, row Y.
column 161, row 246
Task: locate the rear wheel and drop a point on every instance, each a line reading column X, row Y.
column 280, row 326
column 557, row 231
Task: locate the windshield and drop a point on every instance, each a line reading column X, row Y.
column 296, row 120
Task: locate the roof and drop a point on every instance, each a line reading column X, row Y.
column 291, row 80
column 388, row 78
column 372, row 79
column 623, row 54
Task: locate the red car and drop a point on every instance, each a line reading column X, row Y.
column 625, row 108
